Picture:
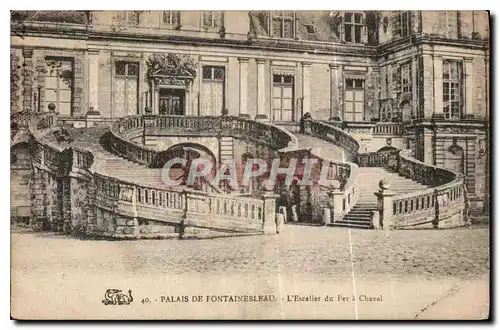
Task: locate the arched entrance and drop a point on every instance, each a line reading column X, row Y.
column 187, row 151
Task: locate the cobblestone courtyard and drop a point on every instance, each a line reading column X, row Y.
column 303, row 259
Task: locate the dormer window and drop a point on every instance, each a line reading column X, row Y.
column 212, row 19
column 129, row 17
column 282, row 24
column 172, row 17
column 354, row 27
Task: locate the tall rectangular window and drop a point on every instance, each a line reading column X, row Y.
column 212, row 19
column 282, row 97
column 406, row 78
column 172, row 17
column 353, row 27
column 283, row 24
column 452, row 89
column 213, row 93
column 58, row 85
column 354, row 99
column 405, row 23
column 126, row 89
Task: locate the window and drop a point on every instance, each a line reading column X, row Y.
column 58, row 85
column 212, row 19
column 130, row 17
column 452, row 89
column 126, row 88
column 283, row 24
column 172, row 17
column 354, row 99
column 353, row 27
column 401, row 24
column 405, row 24
column 213, row 73
column 282, row 97
column 213, row 90
column 406, row 78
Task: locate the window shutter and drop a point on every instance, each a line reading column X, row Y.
column 267, row 23
column 461, row 88
column 364, row 34
column 412, row 18
column 341, row 27
column 396, row 24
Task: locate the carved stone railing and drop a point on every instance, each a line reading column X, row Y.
column 340, row 198
column 442, row 205
column 275, row 137
column 332, row 134
column 388, row 128
column 378, row 128
column 377, row 159
column 182, row 208
column 188, row 211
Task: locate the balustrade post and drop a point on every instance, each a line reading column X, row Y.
column 269, row 225
column 335, row 202
column 384, row 204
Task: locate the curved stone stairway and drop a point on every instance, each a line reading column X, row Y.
column 107, row 163
column 367, row 181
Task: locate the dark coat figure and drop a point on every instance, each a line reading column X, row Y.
column 302, row 123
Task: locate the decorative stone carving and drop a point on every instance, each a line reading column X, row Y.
column 171, row 69
column 384, row 184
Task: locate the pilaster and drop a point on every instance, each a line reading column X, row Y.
column 93, row 80
column 438, row 86
column 243, row 87
column 335, row 77
column 469, row 88
column 306, row 87
column 261, row 90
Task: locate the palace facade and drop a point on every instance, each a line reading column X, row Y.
column 425, row 71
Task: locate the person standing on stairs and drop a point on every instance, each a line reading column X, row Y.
column 302, row 123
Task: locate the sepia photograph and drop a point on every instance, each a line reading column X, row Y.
column 250, row 165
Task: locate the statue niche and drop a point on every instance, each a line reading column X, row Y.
column 170, row 77
column 454, row 158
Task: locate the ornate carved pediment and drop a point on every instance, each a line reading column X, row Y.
column 171, row 69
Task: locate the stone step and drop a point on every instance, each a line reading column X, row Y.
column 349, row 224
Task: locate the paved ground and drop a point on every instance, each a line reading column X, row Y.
column 418, row 274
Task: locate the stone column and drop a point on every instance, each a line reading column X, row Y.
column 306, row 88
column 93, row 79
column 469, row 88
column 438, row 87
column 261, row 90
column 335, row 77
column 384, row 204
column 243, row 87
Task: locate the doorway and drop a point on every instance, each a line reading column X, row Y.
column 171, row 101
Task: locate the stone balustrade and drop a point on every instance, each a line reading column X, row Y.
column 332, row 134
column 111, row 207
column 388, row 128
column 273, row 136
column 442, row 205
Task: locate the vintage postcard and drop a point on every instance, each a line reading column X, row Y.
column 250, row 165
